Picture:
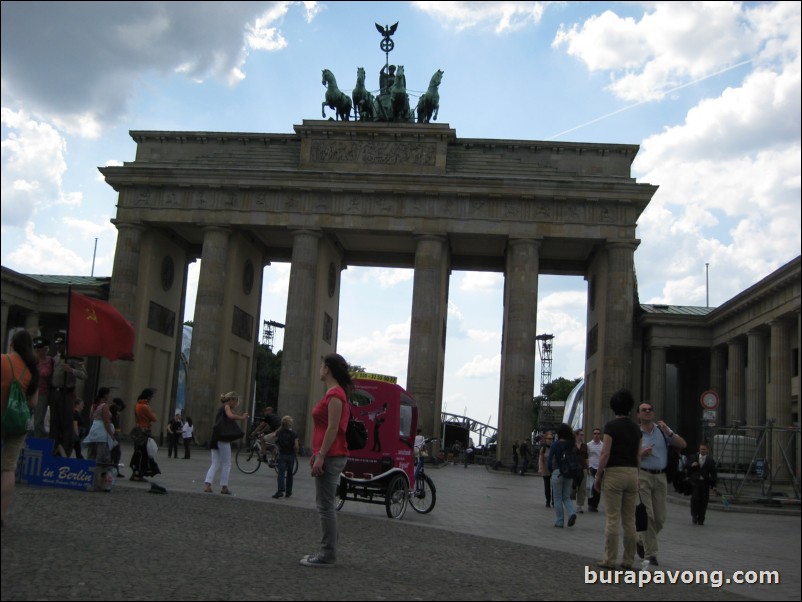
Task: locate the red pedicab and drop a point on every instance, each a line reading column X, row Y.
column 383, row 472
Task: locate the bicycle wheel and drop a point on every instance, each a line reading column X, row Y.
column 248, row 460
column 295, row 465
column 424, row 496
column 395, row 499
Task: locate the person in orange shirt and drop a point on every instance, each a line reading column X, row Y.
column 141, row 464
column 23, row 365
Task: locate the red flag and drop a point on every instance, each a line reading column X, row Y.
column 97, row 328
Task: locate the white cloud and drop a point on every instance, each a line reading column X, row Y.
column 502, row 16
column 116, row 43
column 33, row 164
column 673, row 44
column 382, row 351
column 481, row 282
column 480, row 366
column 46, row 255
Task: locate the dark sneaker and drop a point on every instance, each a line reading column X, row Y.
column 653, row 560
column 278, row 494
column 572, row 520
column 315, row 561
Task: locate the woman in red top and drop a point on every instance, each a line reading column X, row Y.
column 23, row 365
column 329, row 454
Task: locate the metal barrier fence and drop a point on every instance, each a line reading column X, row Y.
column 758, row 463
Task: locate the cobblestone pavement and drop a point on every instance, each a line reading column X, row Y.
column 489, row 537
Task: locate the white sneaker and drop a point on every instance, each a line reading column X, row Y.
column 580, row 510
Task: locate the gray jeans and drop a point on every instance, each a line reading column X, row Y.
column 326, row 501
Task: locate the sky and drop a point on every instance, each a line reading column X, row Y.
column 710, row 92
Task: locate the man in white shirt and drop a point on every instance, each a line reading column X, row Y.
column 594, row 453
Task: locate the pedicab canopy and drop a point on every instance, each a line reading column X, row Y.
column 391, row 417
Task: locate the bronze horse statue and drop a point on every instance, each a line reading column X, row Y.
column 429, row 102
column 363, row 100
column 335, row 99
column 399, row 101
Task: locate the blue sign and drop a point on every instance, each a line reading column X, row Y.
column 760, row 466
column 38, row 466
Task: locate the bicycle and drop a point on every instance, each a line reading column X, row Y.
column 423, row 496
column 250, row 457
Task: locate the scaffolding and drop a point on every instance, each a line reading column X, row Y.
column 541, row 402
column 269, row 333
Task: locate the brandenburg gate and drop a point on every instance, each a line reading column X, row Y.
column 334, row 194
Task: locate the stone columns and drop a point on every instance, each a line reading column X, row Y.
column 657, row 380
column 778, row 403
column 123, row 296
column 202, row 382
column 736, row 393
column 427, row 337
column 755, row 378
column 518, row 344
column 718, row 371
column 297, row 360
column 616, row 342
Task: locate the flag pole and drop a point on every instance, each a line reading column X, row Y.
column 67, row 330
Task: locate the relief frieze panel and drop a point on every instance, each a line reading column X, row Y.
column 373, row 152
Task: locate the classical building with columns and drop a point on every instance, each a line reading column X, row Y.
column 334, row 194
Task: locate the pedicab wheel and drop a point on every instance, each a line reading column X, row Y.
column 341, row 493
column 248, row 460
column 395, row 500
column 424, row 496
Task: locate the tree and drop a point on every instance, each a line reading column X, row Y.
column 560, row 388
column 268, row 374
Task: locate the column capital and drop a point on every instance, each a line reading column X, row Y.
column 536, row 241
column 128, row 225
column 630, row 243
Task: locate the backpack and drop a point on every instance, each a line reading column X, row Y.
column 356, row 434
column 17, row 414
column 569, row 465
column 286, row 440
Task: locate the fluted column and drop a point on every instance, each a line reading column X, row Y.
column 615, row 343
column 657, row 380
column 736, row 393
column 718, row 371
column 123, row 296
column 518, row 343
column 755, row 378
column 778, row 403
column 297, row 360
column 427, row 332
column 202, row 389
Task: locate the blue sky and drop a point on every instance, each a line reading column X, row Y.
column 710, row 91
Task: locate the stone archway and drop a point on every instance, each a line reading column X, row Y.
column 376, row 194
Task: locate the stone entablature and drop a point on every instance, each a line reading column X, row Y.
column 394, row 178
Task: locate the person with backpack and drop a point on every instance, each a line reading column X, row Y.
column 287, row 443
column 565, row 469
column 329, row 453
column 19, row 378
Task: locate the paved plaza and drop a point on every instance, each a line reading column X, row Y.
column 489, row 537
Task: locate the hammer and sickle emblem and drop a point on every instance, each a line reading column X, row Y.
column 91, row 314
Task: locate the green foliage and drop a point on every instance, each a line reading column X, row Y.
column 560, row 388
column 268, row 374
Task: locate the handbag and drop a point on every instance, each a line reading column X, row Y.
column 641, row 516
column 17, row 414
column 226, row 429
